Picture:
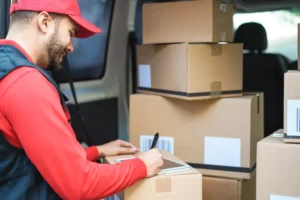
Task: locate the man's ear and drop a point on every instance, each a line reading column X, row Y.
column 44, row 22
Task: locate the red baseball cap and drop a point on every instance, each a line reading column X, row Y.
column 64, row 7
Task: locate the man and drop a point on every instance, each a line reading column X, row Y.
column 40, row 156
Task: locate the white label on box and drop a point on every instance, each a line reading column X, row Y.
column 222, row 36
column 278, row 197
column 293, row 117
column 222, row 151
column 145, row 76
column 223, row 7
column 163, row 143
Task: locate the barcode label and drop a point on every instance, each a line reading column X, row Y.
column 293, row 117
column 163, row 143
column 223, row 7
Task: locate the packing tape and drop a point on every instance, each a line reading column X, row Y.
column 216, row 49
column 224, row 168
column 163, row 184
column 216, row 89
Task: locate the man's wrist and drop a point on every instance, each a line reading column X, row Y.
column 100, row 152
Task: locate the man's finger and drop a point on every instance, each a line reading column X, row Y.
column 124, row 150
column 126, row 144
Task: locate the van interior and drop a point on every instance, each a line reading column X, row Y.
column 103, row 68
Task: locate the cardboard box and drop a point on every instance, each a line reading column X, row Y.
column 292, row 106
column 191, row 71
column 188, row 21
column 277, row 169
column 169, row 185
column 217, row 136
column 215, row 188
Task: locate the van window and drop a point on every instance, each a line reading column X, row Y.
column 89, row 57
column 281, row 27
column 4, row 17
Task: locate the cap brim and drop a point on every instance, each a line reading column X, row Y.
column 85, row 28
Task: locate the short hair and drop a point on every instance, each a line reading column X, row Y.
column 23, row 18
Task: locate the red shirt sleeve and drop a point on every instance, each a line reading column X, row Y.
column 33, row 108
column 92, row 153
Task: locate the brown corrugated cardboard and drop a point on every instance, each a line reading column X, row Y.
column 292, row 106
column 170, row 185
column 191, row 71
column 216, row 136
column 278, row 175
column 215, row 188
column 189, row 21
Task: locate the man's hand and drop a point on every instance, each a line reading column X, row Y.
column 115, row 148
column 153, row 160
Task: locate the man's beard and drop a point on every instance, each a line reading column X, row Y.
column 55, row 50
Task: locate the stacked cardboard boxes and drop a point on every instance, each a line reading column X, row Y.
column 277, row 160
column 181, row 57
column 190, row 80
column 218, row 137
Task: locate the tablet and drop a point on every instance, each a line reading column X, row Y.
column 169, row 165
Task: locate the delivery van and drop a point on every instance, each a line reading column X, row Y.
column 183, row 68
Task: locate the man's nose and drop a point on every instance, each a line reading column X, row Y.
column 70, row 47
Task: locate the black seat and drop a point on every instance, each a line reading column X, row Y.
column 263, row 72
column 293, row 65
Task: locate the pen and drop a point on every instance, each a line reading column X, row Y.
column 156, row 136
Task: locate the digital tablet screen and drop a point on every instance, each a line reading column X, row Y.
column 169, row 165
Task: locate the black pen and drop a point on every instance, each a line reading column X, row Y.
column 154, row 142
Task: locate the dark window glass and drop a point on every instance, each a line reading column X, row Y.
column 88, row 59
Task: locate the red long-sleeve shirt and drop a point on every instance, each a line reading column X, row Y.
column 31, row 117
